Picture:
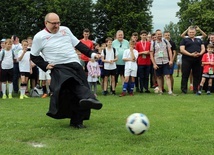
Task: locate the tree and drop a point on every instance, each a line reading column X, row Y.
column 197, row 12
column 26, row 17
column 127, row 15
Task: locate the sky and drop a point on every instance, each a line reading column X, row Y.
column 163, row 12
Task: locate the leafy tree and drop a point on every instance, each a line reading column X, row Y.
column 26, row 17
column 127, row 15
column 196, row 12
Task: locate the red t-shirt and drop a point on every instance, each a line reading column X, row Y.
column 140, row 47
column 207, row 58
column 88, row 43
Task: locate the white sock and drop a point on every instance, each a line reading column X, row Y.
column 10, row 88
column 3, row 87
column 22, row 90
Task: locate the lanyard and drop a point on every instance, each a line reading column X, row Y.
column 143, row 45
column 208, row 55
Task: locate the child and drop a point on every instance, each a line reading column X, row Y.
column 93, row 74
column 24, row 68
column 7, row 58
column 208, row 68
column 130, row 57
column 109, row 58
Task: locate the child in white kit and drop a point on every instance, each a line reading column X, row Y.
column 24, row 68
column 93, row 75
column 7, row 59
column 130, row 57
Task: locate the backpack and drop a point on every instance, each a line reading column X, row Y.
column 104, row 51
column 166, row 47
column 35, row 92
column 3, row 53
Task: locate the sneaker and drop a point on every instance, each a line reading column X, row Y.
column 131, row 94
column 208, row 93
column 4, row 96
column 199, row 92
column 172, row 94
column 10, row 96
column 113, row 92
column 122, row 94
column 160, row 93
column 25, row 96
column 191, row 87
column 44, row 95
column 21, row 97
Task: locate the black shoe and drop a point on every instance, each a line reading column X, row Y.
column 90, row 104
column 184, row 92
column 147, row 91
column 78, row 126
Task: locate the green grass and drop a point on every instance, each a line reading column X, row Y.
column 180, row 125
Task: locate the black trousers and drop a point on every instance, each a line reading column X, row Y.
column 189, row 64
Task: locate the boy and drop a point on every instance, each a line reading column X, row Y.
column 7, row 58
column 130, row 57
column 208, row 68
column 24, row 68
column 109, row 58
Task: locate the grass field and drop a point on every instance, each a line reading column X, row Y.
column 179, row 125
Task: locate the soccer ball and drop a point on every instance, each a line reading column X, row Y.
column 137, row 123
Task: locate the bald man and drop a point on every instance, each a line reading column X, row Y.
column 71, row 96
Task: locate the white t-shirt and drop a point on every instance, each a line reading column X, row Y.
column 109, row 56
column 24, row 64
column 7, row 62
column 130, row 64
column 57, row 48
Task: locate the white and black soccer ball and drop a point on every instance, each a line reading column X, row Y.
column 137, row 123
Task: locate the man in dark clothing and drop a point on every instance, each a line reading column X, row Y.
column 71, row 96
column 192, row 49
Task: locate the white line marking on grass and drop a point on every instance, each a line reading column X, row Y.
column 37, row 145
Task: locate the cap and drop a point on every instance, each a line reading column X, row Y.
column 3, row 40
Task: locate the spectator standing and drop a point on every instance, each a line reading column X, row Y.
column 85, row 40
column 7, row 59
column 130, row 57
column 109, row 58
column 120, row 44
column 208, row 69
column 144, row 61
column 93, row 75
column 24, row 68
column 192, row 49
column 161, row 56
column 17, row 46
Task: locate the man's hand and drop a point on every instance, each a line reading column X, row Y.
column 50, row 66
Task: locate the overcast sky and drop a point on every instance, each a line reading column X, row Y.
column 163, row 12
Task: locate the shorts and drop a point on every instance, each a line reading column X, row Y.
column 35, row 73
column 208, row 76
column 163, row 69
column 26, row 74
column 120, row 69
column 129, row 72
column 7, row 75
column 44, row 75
column 109, row 72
